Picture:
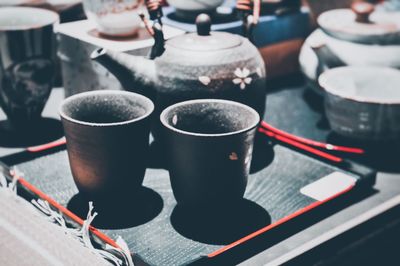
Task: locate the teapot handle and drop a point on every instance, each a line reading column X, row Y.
column 154, row 7
column 155, row 11
column 250, row 13
column 363, row 11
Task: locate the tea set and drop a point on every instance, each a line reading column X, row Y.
column 201, row 95
column 353, row 61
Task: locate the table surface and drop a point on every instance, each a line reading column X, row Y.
column 286, row 104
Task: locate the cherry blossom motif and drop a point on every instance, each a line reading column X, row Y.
column 205, row 80
column 233, row 156
column 175, row 120
column 242, row 77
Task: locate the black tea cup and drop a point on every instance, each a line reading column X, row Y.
column 209, row 146
column 107, row 135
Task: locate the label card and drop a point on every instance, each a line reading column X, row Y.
column 328, row 186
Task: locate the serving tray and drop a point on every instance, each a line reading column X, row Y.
column 282, row 193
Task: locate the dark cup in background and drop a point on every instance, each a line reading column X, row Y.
column 209, row 146
column 27, row 54
column 107, row 136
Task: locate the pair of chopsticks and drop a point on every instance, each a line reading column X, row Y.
column 308, row 145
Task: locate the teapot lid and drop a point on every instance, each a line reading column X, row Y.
column 205, row 39
column 362, row 25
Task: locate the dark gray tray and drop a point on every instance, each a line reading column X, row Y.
column 163, row 234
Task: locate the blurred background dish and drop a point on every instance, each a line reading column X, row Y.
column 192, row 8
column 20, row 2
column 363, row 102
column 342, row 40
column 114, row 17
column 55, row 5
column 62, row 5
column 27, row 69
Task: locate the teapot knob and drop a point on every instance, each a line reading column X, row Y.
column 203, row 23
column 362, row 10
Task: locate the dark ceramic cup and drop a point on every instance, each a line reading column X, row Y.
column 107, row 136
column 209, row 145
column 27, row 59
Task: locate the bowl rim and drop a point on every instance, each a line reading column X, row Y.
column 330, row 88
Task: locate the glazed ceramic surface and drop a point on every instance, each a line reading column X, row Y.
column 114, row 17
column 354, row 37
column 391, row 5
column 196, row 65
column 209, row 145
column 362, row 25
column 20, row 2
column 190, row 8
column 27, row 53
column 107, row 136
column 363, row 102
column 348, row 53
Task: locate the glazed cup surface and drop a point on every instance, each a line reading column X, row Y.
column 209, row 146
column 107, row 136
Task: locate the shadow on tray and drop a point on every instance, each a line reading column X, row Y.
column 45, row 131
column 220, row 226
column 263, row 154
column 157, row 156
column 382, row 156
column 264, row 241
column 138, row 209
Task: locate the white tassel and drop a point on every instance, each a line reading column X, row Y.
column 10, row 186
column 13, row 185
column 82, row 234
column 125, row 251
column 53, row 216
column 3, row 181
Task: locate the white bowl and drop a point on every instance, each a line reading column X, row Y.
column 196, row 6
column 114, row 17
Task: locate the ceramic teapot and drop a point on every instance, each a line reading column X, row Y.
column 356, row 36
column 197, row 65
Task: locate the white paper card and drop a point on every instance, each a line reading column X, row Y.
column 328, row 186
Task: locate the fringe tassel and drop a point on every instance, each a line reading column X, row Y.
column 82, row 234
column 10, row 186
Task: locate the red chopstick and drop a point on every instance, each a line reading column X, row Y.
column 302, row 146
column 310, row 142
column 47, row 146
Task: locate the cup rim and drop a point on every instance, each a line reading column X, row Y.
column 188, row 133
column 52, row 16
column 109, row 92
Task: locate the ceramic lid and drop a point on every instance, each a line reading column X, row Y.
column 205, row 39
column 362, row 24
column 370, row 84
